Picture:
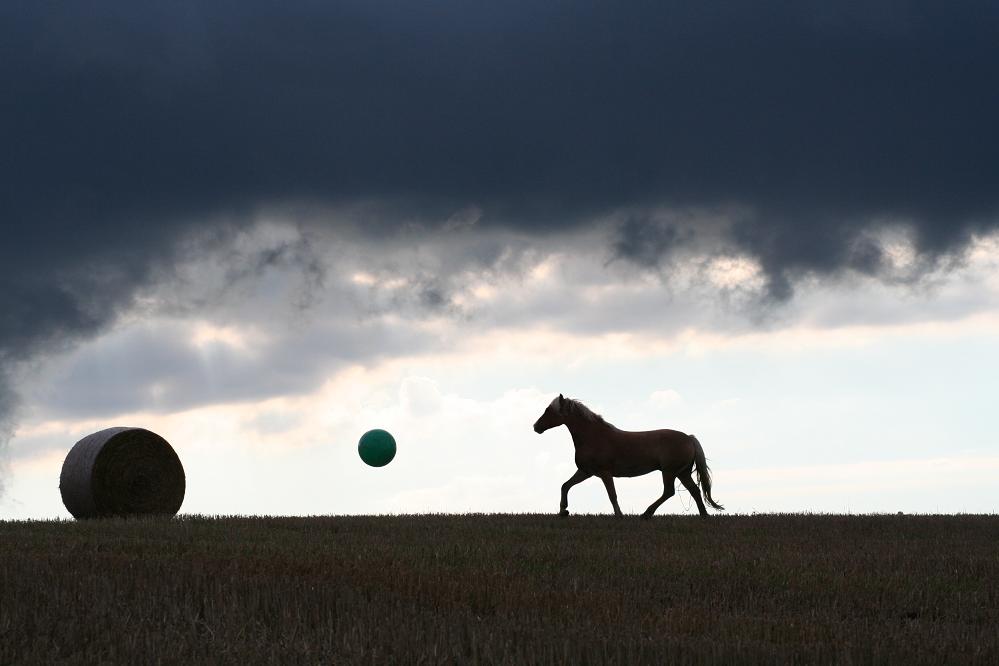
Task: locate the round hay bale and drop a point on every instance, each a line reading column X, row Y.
column 122, row 472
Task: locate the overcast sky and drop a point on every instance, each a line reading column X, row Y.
column 261, row 229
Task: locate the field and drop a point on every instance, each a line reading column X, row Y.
column 502, row 589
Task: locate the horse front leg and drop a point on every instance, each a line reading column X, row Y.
column 573, row 480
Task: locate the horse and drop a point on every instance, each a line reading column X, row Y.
column 605, row 452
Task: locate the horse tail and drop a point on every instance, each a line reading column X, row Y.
column 703, row 474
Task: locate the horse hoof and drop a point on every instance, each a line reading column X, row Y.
column 563, row 514
column 646, row 516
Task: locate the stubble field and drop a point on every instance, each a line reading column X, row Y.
column 504, row 589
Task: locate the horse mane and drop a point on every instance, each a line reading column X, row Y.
column 582, row 411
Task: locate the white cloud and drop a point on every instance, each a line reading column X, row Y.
column 665, row 398
column 420, row 397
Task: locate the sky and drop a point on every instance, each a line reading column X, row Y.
column 261, row 229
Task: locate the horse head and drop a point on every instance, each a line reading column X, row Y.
column 553, row 416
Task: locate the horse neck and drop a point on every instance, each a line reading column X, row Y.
column 584, row 431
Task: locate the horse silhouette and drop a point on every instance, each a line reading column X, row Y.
column 605, row 452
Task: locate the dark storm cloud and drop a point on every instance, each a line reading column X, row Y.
column 126, row 126
column 645, row 240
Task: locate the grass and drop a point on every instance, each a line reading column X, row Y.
column 505, row 589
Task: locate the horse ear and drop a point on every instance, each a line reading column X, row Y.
column 561, row 402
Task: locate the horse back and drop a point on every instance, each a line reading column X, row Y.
column 631, row 453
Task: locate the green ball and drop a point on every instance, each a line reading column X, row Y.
column 376, row 448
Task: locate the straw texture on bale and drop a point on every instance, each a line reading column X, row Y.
column 122, row 472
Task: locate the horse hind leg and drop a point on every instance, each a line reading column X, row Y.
column 668, row 491
column 688, row 482
column 611, row 493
